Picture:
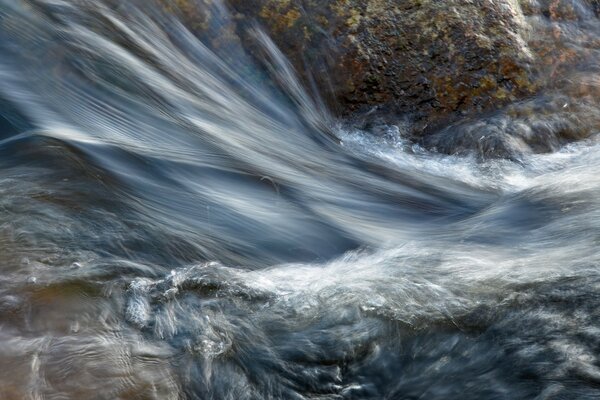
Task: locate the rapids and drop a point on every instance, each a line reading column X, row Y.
column 182, row 221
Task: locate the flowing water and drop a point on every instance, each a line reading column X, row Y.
column 179, row 221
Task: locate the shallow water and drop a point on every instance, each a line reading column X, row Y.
column 183, row 222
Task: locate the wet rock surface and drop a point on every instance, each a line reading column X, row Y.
column 564, row 38
column 420, row 57
column 531, row 64
column 426, row 58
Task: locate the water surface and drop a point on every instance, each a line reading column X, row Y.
column 179, row 221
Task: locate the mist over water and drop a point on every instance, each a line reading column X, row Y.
column 183, row 221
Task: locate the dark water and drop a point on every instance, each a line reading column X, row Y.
column 185, row 222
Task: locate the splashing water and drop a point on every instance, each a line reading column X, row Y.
column 182, row 220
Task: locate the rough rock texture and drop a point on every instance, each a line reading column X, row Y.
column 429, row 58
column 424, row 57
column 564, row 38
column 533, row 62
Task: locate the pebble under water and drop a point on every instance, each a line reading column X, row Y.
column 183, row 222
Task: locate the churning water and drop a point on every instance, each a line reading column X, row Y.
column 178, row 221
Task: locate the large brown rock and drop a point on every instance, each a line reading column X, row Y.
column 436, row 62
column 564, row 39
column 429, row 58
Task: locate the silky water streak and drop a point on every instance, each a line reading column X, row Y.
column 180, row 220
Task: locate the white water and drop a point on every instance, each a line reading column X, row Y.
column 191, row 224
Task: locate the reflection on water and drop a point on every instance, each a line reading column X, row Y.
column 176, row 223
